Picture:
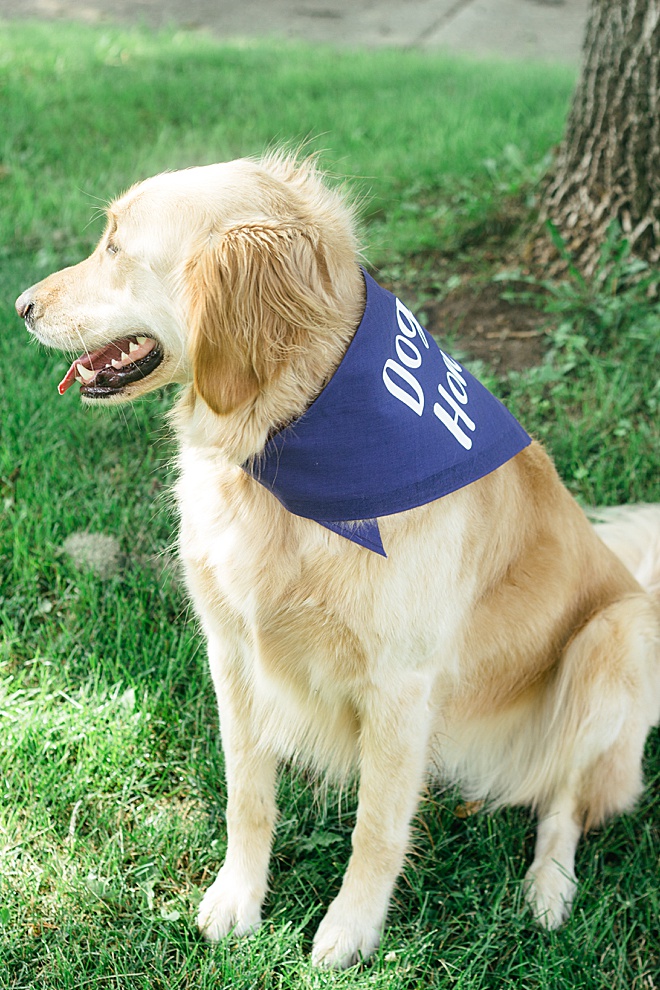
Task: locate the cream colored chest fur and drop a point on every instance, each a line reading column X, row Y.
column 308, row 620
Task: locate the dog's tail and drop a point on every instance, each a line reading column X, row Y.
column 632, row 532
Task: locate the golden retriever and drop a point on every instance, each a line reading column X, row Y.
column 500, row 645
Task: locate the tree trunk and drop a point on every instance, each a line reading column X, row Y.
column 608, row 166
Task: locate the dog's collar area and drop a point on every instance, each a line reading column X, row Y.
column 108, row 370
column 399, row 424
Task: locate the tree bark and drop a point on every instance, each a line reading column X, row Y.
column 608, row 165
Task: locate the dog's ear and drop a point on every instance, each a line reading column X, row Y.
column 255, row 291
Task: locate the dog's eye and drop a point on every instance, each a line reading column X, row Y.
column 112, row 248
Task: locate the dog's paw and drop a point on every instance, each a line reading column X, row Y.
column 549, row 891
column 343, row 941
column 228, row 907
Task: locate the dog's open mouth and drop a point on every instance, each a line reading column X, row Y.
column 106, row 372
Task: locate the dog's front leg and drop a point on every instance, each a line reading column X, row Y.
column 394, row 734
column 233, row 902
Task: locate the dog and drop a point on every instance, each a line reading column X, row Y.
column 492, row 640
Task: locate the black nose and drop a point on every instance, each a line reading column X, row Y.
column 24, row 305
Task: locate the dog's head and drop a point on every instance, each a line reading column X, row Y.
column 229, row 277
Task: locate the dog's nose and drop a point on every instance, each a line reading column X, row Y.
column 24, row 305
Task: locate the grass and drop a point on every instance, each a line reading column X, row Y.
column 112, row 821
column 85, row 114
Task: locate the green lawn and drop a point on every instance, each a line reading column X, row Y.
column 111, row 824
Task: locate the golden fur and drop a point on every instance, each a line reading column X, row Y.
column 500, row 645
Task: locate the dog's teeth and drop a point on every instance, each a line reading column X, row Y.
column 124, row 356
column 85, row 373
column 117, row 365
column 141, row 340
column 133, row 347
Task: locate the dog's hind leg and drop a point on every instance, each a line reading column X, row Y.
column 605, row 699
column 550, row 883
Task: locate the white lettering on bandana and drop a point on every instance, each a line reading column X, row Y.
column 399, row 424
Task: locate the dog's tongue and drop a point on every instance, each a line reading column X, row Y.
column 118, row 354
column 68, row 379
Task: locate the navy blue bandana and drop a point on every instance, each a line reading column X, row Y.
column 399, row 424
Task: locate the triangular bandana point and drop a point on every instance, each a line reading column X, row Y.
column 399, row 424
column 364, row 532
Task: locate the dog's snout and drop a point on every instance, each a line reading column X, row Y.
column 24, row 305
